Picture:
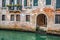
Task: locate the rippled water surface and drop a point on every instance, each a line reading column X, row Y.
column 15, row 35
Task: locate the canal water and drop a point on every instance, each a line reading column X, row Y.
column 17, row 35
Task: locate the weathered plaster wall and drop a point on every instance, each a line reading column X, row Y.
column 42, row 8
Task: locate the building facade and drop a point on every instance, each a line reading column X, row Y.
column 30, row 15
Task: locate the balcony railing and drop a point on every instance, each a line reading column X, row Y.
column 27, row 7
column 16, row 5
column 19, row 7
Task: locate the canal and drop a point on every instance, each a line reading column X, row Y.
column 17, row 35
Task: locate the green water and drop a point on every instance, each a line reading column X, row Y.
column 15, row 35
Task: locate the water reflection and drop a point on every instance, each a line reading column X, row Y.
column 40, row 37
column 14, row 35
column 46, row 37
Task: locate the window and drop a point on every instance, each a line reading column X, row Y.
column 3, row 3
column 57, row 3
column 17, row 17
column 12, row 17
column 25, row 2
column 27, row 17
column 48, row 2
column 20, row 3
column 57, row 19
column 3, row 17
column 11, row 3
column 35, row 2
column 30, row 3
column 11, row 8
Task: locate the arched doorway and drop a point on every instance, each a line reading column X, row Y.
column 41, row 21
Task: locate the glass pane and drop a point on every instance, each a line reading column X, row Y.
column 27, row 17
column 11, row 3
column 30, row 3
column 20, row 3
column 11, row 8
column 3, row 17
column 48, row 2
column 35, row 2
column 59, row 19
column 57, row 3
column 17, row 17
column 56, row 19
column 12, row 18
column 25, row 2
column 3, row 3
